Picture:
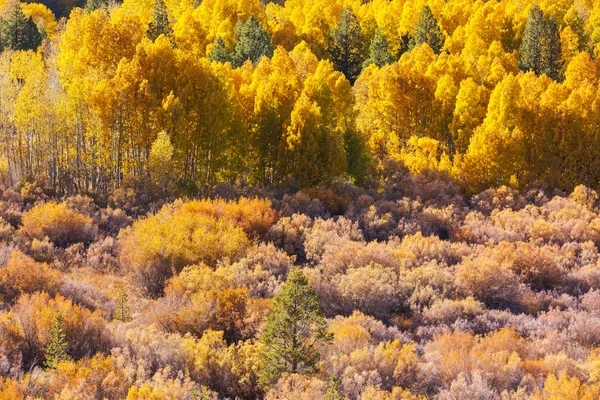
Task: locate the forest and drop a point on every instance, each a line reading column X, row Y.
column 300, row 199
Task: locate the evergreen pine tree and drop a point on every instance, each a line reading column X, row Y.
column 19, row 32
column 540, row 49
column 428, row 31
column 333, row 389
column 159, row 25
column 220, row 52
column 93, row 5
column 253, row 42
column 57, row 348
column 122, row 308
column 378, row 51
column 345, row 46
column 295, row 328
column 530, row 53
column 552, row 60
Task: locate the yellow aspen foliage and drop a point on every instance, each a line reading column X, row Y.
column 569, row 43
column 581, row 71
column 42, row 16
column 566, row 388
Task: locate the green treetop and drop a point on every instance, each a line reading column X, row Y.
column 93, row 5
column 378, row 51
column 540, row 49
column 57, row 347
column 19, row 32
column 122, row 308
column 219, row 51
column 295, row 329
column 253, row 42
column 345, row 45
column 428, row 31
column 159, row 25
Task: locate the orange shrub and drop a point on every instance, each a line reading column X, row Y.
column 59, row 223
column 26, row 328
column 22, row 274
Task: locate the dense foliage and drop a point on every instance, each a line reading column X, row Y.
column 486, row 92
column 300, row 199
column 401, row 289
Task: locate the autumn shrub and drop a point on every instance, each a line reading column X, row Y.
column 103, row 255
column 12, row 196
column 44, row 250
column 150, row 347
column 31, row 192
column 289, row 234
column 496, row 199
column 491, row 282
column 262, row 271
column 199, row 299
column 11, row 213
column 475, row 388
column 333, row 203
column 6, row 231
column 21, row 274
column 112, row 220
column 59, row 223
column 86, row 295
column 180, row 234
column 26, row 328
column 100, row 375
column 81, row 204
column 298, row 387
column 329, row 233
column 302, row 203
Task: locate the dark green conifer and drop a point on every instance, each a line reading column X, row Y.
column 19, row 32
column 253, row 42
column 219, row 51
column 378, row 51
column 552, row 61
column 333, row 389
column 159, row 25
column 345, row 46
column 530, row 53
column 540, row 49
column 295, row 328
column 93, row 5
column 428, row 31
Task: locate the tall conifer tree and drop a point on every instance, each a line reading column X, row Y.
column 253, row 42
column 219, row 51
column 295, row 328
column 530, row 53
column 345, row 46
column 541, row 50
column 159, row 25
column 19, row 32
column 428, row 31
column 378, row 51
column 93, row 5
